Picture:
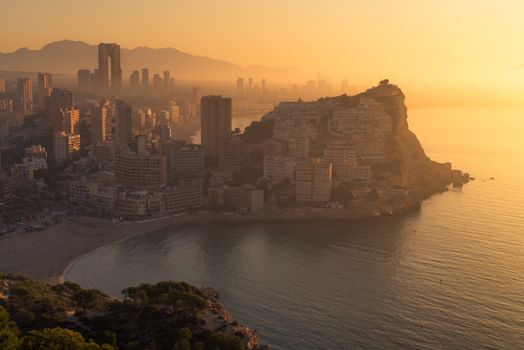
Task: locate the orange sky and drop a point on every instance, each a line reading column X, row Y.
column 425, row 45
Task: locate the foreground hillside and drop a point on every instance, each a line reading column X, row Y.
column 167, row 315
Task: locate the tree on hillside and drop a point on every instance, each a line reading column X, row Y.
column 58, row 339
column 8, row 332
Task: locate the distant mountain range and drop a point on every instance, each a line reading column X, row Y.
column 67, row 57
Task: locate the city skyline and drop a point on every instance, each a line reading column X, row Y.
column 444, row 46
column 248, row 175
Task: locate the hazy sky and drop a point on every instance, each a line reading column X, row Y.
column 417, row 42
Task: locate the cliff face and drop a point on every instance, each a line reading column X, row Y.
column 406, row 159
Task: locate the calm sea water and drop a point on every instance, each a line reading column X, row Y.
column 448, row 277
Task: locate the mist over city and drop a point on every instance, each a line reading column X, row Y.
column 261, row 175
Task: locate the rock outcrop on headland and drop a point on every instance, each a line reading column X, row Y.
column 167, row 315
column 374, row 119
column 405, row 159
column 405, row 155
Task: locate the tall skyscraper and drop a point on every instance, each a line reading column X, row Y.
column 84, row 81
column 71, row 120
column 45, row 85
column 186, row 164
column 106, row 52
column 216, row 125
column 166, row 81
column 98, row 124
column 174, row 112
column 124, row 123
column 60, row 100
column 94, row 82
column 65, row 145
column 25, row 96
column 196, row 96
column 145, row 79
column 134, row 81
column 172, row 84
column 240, row 88
column 2, row 85
column 157, row 83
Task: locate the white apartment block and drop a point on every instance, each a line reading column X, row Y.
column 368, row 126
column 313, row 181
column 279, row 168
column 299, row 147
column 351, row 173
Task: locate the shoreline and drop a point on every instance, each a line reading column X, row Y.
column 48, row 255
column 45, row 255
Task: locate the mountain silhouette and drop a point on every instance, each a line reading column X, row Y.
column 68, row 56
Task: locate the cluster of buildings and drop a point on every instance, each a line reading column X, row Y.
column 106, row 80
column 315, row 162
column 250, row 96
column 314, row 146
column 140, row 176
column 116, row 158
column 112, row 159
column 56, row 104
column 100, row 81
column 15, row 107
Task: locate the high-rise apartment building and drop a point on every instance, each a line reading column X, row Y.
column 313, row 181
column 174, row 112
column 166, row 81
column 84, row 81
column 25, row 96
column 45, row 85
column 134, row 81
column 186, row 164
column 196, row 96
column 145, row 79
column 140, row 170
column 240, row 88
column 157, row 83
column 65, row 145
column 94, row 81
column 98, row 124
column 71, row 118
column 216, row 125
column 59, row 101
column 180, row 198
column 299, row 147
column 124, row 123
column 279, row 168
column 106, row 52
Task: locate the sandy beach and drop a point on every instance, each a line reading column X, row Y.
column 45, row 255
